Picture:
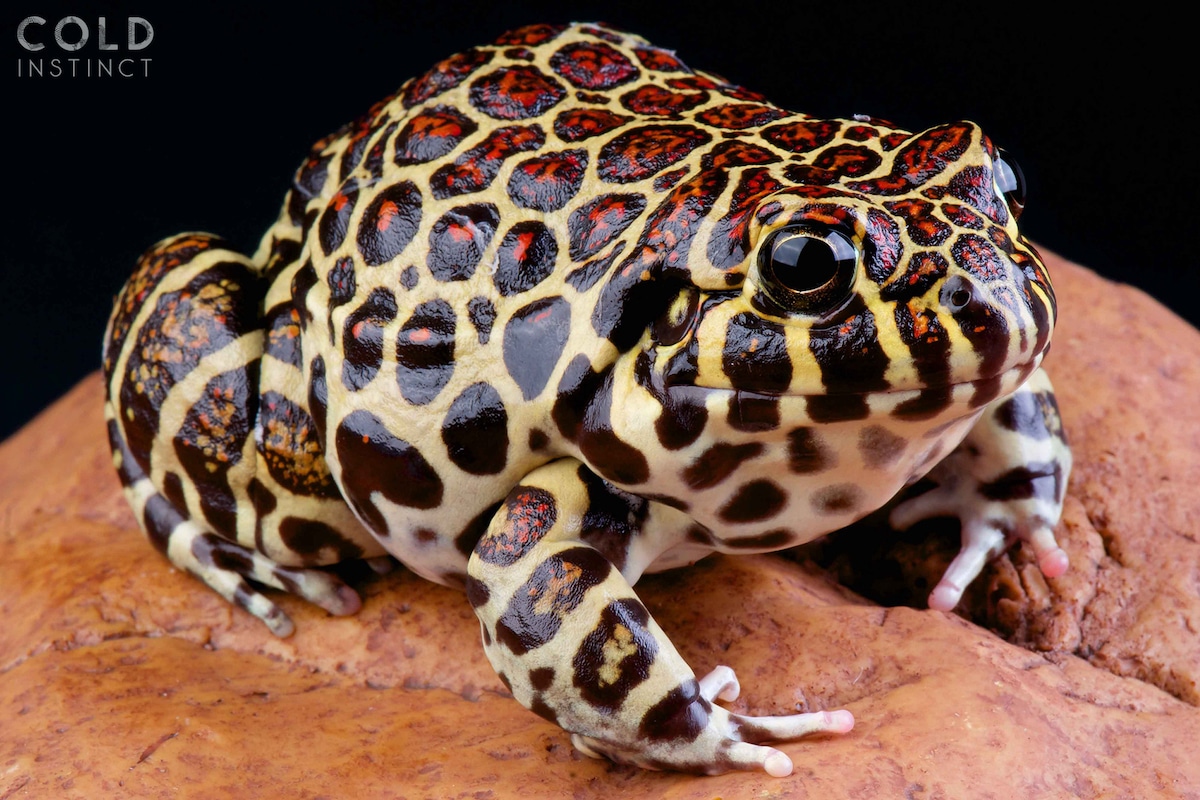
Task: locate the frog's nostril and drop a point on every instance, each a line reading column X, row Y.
column 957, row 294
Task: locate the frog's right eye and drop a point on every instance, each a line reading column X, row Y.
column 806, row 269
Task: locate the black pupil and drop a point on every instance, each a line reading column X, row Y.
column 802, row 264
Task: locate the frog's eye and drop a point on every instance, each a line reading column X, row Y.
column 807, row 270
column 1010, row 181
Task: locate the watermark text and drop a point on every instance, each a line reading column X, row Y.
column 63, row 49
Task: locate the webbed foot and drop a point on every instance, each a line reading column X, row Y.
column 1005, row 482
column 687, row 732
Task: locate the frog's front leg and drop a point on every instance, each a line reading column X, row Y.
column 1005, row 481
column 565, row 631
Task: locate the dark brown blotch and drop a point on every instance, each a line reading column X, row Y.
column 548, row 182
column 431, row 135
column 374, row 460
column 755, row 501
column 1041, row 481
column 159, row 519
column 534, row 339
column 475, row 430
column 605, row 451
column 362, row 338
column 755, row 355
column 679, row 717
column 389, row 223
column 458, row 239
column 771, row 540
column 753, row 413
column 578, row 385
column 597, row 222
column 541, row 678
column 880, row 448
column 613, row 518
column 555, row 589
column 474, row 530
column 718, row 462
column 335, row 219
column 317, row 542
column 425, row 351
column 808, row 453
column 615, row 656
column 211, row 441
column 841, row 498
column 849, row 353
column 289, row 444
column 515, row 92
column 526, row 257
column 1026, row 413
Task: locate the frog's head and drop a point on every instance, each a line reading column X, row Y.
column 883, row 274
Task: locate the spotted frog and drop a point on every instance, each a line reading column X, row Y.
column 563, row 310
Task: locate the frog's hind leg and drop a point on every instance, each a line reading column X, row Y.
column 565, row 631
column 182, row 356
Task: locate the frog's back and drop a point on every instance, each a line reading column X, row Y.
column 455, row 249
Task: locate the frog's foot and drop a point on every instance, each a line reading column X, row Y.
column 709, row 739
column 568, row 636
column 228, row 567
column 1005, row 483
column 989, row 527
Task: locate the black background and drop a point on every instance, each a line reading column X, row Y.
column 1099, row 108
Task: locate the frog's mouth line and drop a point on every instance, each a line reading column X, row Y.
column 915, row 404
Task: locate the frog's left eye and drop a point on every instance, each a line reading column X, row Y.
column 807, row 270
column 1011, row 182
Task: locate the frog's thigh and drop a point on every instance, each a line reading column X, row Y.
column 1005, row 481
column 182, row 359
column 565, row 631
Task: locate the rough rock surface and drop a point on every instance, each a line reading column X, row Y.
column 119, row 676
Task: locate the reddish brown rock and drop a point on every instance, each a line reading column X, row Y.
column 120, row 676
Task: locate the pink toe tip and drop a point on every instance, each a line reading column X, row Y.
column 944, row 597
column 1054, row 563
column 777, row 765
column 351, row 603
column 841, row 721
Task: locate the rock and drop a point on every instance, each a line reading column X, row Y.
column 119, row 676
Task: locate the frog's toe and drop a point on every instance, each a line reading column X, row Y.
column 228, row 567
column 235, row 589
column 317, row 587
column 711, row 740
column 786, row 728
column 984, row 539
column 1052, row 559
column 746, row 756
column 980, row 543
column 720, row 684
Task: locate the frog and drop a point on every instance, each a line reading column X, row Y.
column 563, row 311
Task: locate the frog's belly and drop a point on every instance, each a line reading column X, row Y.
column 870, row 470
